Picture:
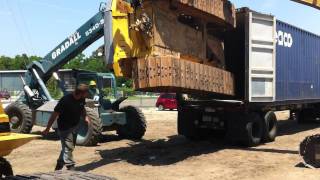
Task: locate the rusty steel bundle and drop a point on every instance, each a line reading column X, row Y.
column 180, row 47
column 173, row 74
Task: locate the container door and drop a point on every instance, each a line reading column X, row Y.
column 261, row 58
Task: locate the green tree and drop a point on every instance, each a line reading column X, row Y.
column 124, row 81
column 53, row 88
column 16, row 63
column 92, row 63
column 75, row 63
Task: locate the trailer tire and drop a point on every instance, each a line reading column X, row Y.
column 186, row 126
column 245, row 129
column 88, row 135
column 20, row 116
column 5, row 168
column 254, row 127
column 270, row 127
column 136, row 125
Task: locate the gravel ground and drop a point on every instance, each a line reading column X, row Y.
column 163, row 155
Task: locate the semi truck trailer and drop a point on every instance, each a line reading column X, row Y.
column 275, row 67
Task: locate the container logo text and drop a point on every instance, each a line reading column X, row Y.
column 284, row 39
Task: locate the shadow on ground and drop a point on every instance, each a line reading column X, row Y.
column 270, row 150
column 167, row 152
column 290, row 127
column 176, row 148
column 105, row 138
column 52, row 136
column 156, row 152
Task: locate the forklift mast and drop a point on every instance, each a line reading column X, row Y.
column 39, row 72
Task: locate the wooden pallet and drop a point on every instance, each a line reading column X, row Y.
column 171, row 74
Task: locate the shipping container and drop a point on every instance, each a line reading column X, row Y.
column 273, row 61
column 276, row 66
column 297, row 64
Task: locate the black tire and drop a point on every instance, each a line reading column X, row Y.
column 136, row 125
column 270, row 127
column 309, row 149
column 89, row 135
column 186, row 126
column 245, row 129
column 161, row 107
column 5, row 168
column 20, row 116
column 254, row 130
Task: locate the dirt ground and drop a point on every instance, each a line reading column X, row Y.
column 164, row 155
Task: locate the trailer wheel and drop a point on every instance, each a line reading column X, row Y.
column 254, row 130
column 136, row 125
column 270, row 127
column 88, row 135
column 5, row 168
column 245, row 129
column 186, row 125
column 20, row 116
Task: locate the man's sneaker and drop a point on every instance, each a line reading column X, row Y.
column 71, row 168
column 59, row 166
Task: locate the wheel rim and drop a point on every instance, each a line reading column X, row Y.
column 271, row 125
column 160, row 108
column 271, row 121
column 15, row 122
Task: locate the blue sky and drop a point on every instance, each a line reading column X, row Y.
column 36, row 26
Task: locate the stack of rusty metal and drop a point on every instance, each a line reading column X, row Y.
column 179, row 46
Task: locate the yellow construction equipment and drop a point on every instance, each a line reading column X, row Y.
column 12, row 141
column 9, row 142
column 312, row 3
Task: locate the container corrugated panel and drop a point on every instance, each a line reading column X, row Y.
column 297, row 64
